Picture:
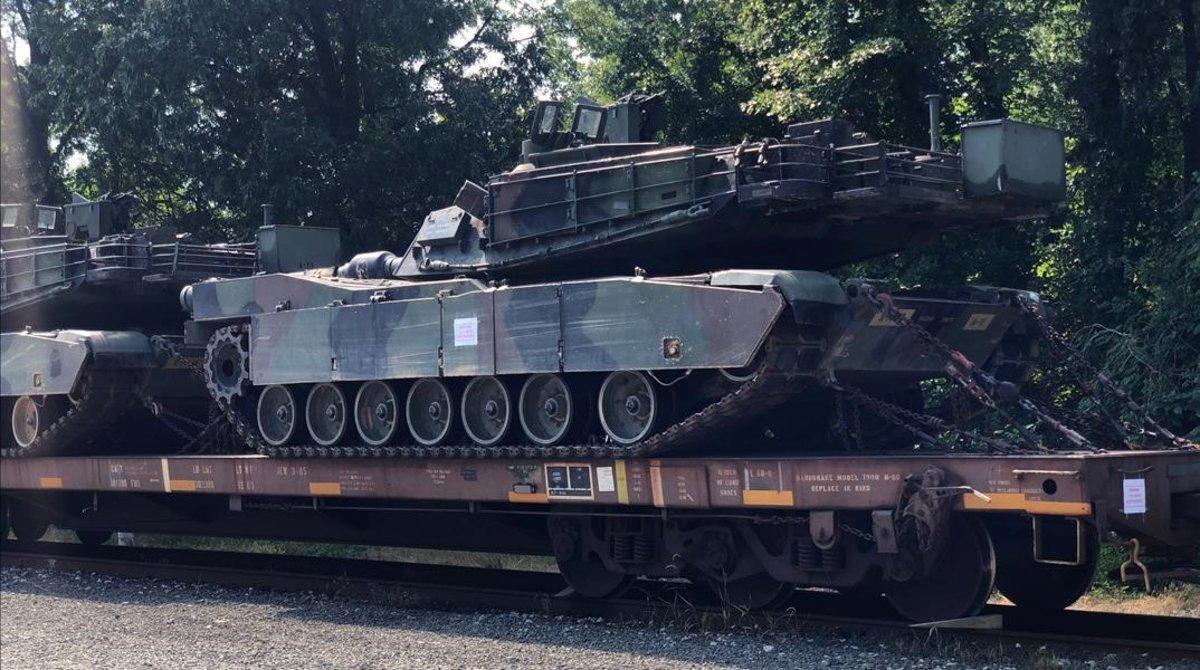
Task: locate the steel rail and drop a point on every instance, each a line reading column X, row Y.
column 461, row 588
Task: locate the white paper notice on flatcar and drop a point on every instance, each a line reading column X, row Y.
column 466, row 332
column 605, row 481
column 1134, row 497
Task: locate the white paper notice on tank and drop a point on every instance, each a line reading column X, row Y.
column 1134, row 497
column 466, row 332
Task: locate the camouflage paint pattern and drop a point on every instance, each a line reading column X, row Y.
column 558, row 199
column 353, row 330
column 293, row 248
column 51, row 363
column 225, row 299
column 815, row 199
column 864, row 343
column 36, row 268
column 602, row 325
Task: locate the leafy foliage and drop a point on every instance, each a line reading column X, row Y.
column 362, row 114
column 365, row 114
column 1118, row 259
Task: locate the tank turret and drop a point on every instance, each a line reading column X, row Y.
column 599, row 196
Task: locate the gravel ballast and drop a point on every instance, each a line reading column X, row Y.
column 70, row 620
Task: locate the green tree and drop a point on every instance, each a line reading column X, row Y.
column 365, row 114
column 361, row 114
column 1117, row 259
column 687, row 49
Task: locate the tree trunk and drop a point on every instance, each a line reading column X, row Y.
column 32, row 127
column 1191, row 115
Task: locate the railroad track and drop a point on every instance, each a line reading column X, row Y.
column 457, row 588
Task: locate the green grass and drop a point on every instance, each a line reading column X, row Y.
column 350, row 551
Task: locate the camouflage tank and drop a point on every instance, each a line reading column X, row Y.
column 92, row 327
column 579, row 303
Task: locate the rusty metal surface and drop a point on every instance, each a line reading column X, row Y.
column 1081, row 483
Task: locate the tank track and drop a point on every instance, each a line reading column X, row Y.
column 778, row 379
column 104, row 397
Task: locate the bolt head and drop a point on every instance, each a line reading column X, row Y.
column 633, row 404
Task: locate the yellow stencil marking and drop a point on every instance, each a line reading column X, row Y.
column 1018, row 501
column 656, row 485
column 622, row 483
column 50, row 482
column 979, row 321
column 325, row 488
column 184, row 485
column 772, row 498
column 514, row 497
column 166, row 475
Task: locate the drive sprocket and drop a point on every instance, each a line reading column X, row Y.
column 227, row 364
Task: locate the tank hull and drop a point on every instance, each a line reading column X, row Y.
column 714, row 351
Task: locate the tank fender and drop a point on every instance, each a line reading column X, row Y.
column 811, row 295
column 243, row 297
column 51, row 363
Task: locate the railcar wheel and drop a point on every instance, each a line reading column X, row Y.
column 958, row 585
column 1043, row 586
column 754, row 592
column 93, row 538
column 430, row 412
column 591, row 579
column 29, row 418
column 376, row 413
column 580, row 566
column 486, row 410
column 277, row 415
column 326, row 414
column 629, row 407
column 546, row 409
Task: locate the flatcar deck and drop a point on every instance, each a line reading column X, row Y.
column 1131, row 489
column 746, row 529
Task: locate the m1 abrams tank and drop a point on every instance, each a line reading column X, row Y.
column 92, row 327
column 520, row 321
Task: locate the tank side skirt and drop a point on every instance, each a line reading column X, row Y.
column 605, row 325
